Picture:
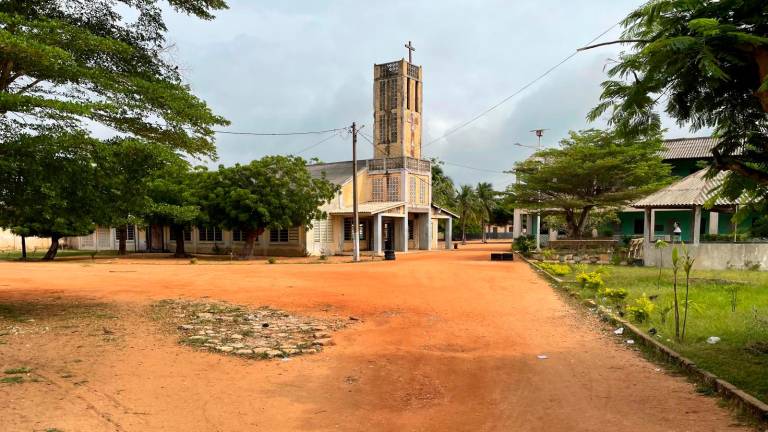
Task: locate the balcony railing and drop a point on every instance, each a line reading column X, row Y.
column 392, row 163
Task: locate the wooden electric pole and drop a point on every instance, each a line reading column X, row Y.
column 356, row 216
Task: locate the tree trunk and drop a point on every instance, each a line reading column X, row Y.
column 482, row 227
column 51, row 254
column 463, row 231
column 24, row 248
column 178, row 232
column 250, row 243
column 122, row 237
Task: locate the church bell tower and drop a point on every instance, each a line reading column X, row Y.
column 397, row 107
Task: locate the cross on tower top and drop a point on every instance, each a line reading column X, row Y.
column 411, row 49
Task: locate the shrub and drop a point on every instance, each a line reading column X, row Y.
column 271, row 260
column 556, row 269
column 524, row 245
column 641, row 310
column 548, row 253
column 592, row 280
column 193, row 260
column 615, row 295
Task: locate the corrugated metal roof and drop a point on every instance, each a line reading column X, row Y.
column 688, row 148
column 693, row 190
column 369, row 207
column 336, row 172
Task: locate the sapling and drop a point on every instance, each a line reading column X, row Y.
column 687, row 265
column 660, row 245
column 675, row 269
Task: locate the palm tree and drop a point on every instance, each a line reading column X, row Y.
column 468, row 207
column 487, row 199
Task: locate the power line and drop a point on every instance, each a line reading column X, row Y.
column 472, row 168
column 316, row 144
column 279, row 133
column 522, row 89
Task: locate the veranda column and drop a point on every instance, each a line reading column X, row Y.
column 696, row 234
column 405, row 233
column 653, row 225
column 449, row 233
column 517, row 221
column 647, row 233
column 714, row 223
column 377, row 234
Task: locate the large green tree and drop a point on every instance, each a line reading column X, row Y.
column 64, row 184
column 469, row 208
column 67, row 66
column 706, row 64
column 487, row 199
column 273, row 192
column 591, row 169
column 443, row 190
column 173, row 196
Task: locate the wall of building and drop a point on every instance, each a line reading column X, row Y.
column 11, row 242
column 715, row 256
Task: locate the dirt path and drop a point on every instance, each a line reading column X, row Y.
column 448, row 342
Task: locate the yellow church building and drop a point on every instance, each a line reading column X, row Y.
column 394, row 193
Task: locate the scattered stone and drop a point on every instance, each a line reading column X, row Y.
column 324, row 342
column 652, row 331
column 713, row 340
column 542, row 357
column 619, row 331
column 630, row 342
column 258, row 333
column 354, row 318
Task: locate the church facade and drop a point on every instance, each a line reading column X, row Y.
column 395, row 187
column 394, row 193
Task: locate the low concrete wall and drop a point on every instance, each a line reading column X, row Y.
column 715, row 256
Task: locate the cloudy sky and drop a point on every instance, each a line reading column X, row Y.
column 306, row 65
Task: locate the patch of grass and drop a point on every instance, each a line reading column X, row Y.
column 53, row 430
column 38, row 254
column 740, row 357
column 11, row 312
column 12, row 380
column 19, row 370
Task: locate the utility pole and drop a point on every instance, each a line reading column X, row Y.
column 539, row 133
column 356, row 216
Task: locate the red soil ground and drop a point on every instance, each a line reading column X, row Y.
column 448, row 342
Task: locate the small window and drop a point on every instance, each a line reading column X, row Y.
column 348, row 229
column 423, row 191
column 187, row 234
column 377, row 192
column 209, row 234
column 416, row 96
column 393, row 189
column 323, row 231
column 238, row 235
column 131, row 233
column 410, row 230
column 412, row 190
column 408, row 93
column 278, row 235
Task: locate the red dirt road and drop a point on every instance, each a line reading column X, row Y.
column 447, row 342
